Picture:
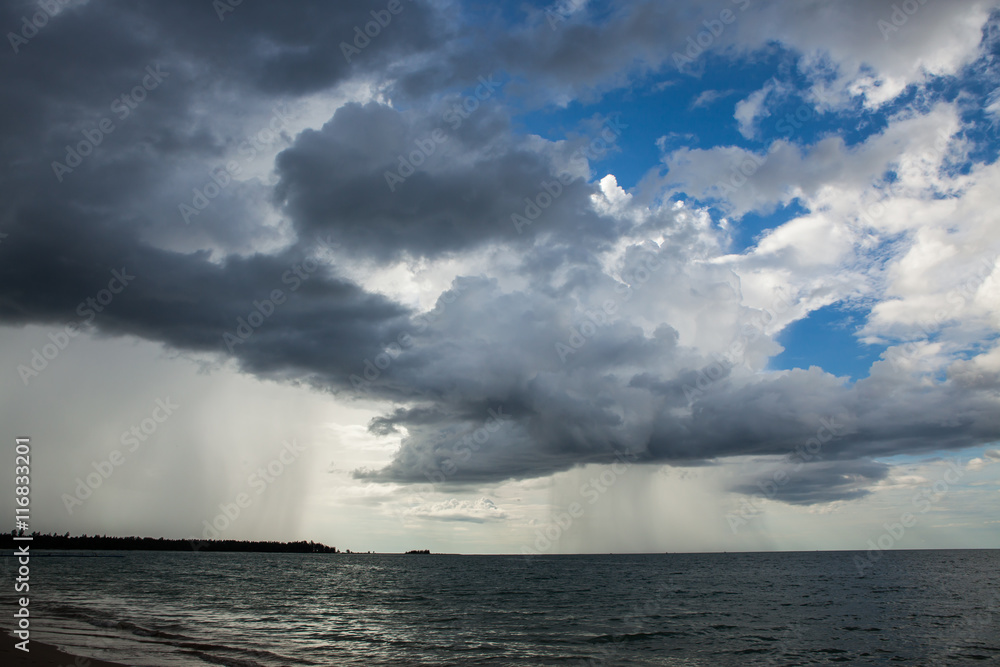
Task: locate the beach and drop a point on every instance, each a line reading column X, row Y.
column 43, row 655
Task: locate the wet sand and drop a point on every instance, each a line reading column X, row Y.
column 44, row 655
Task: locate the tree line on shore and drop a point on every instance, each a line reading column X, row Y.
column 112, row 543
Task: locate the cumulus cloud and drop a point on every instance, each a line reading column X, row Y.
column 480, row 511
column 388, row 184
column 871, row 50
column 989, row 457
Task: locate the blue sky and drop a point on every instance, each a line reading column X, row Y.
column 665, row 113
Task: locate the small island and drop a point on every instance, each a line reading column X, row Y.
column 420, row 551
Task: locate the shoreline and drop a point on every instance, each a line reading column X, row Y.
column 46, row 655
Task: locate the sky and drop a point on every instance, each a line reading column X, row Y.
column 522, row 277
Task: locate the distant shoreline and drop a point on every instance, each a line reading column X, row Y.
column 110, row 543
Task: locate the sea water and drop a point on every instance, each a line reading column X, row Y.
column 816, row 608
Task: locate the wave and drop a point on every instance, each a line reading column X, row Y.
column 208, row 652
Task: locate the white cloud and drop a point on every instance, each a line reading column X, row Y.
column 479, row 511
column 708, row 97
column 754, row 108
column 988, row 458
column 854, row 54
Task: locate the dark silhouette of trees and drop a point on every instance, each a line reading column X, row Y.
column 111, row 543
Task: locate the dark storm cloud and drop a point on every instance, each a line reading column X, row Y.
column 814, row 483
column 133, row 91
column 592, row 415
column 75, row 69
column 276, row 48
column 323, row 325
column 386, row 182
column 141, row 94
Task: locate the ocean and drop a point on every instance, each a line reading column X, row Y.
column 815, row 608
